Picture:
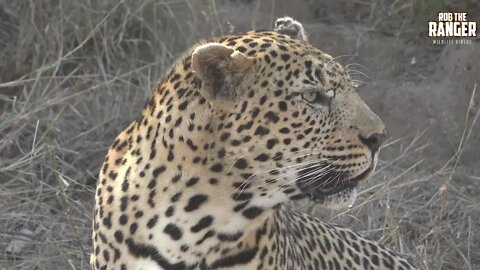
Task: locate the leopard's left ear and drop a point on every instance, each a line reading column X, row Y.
column 221, row 70
column 290, row 27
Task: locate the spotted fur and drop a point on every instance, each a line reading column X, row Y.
column 239, row 126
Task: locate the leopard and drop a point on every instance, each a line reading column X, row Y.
column 240, row 126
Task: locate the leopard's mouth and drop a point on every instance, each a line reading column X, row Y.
column 318, row 186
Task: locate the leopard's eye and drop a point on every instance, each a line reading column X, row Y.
column 310, row 96
column 318, row 97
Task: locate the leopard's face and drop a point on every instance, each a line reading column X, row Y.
column 294, row 125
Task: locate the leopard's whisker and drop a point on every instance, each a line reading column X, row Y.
column 269, row 170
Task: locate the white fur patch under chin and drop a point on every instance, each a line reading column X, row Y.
column 342, row 199
column 375, row 161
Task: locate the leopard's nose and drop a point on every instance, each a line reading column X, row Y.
column 373, row 141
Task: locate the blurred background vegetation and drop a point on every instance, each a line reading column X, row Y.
column 73, row 74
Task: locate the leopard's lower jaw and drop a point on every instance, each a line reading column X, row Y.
column 343, row 199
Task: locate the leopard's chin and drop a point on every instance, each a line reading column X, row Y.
column 343, row 199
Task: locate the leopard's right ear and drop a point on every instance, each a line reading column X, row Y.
column 221, row 70
column 290, row 27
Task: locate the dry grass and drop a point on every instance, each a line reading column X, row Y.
column 69, row 68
